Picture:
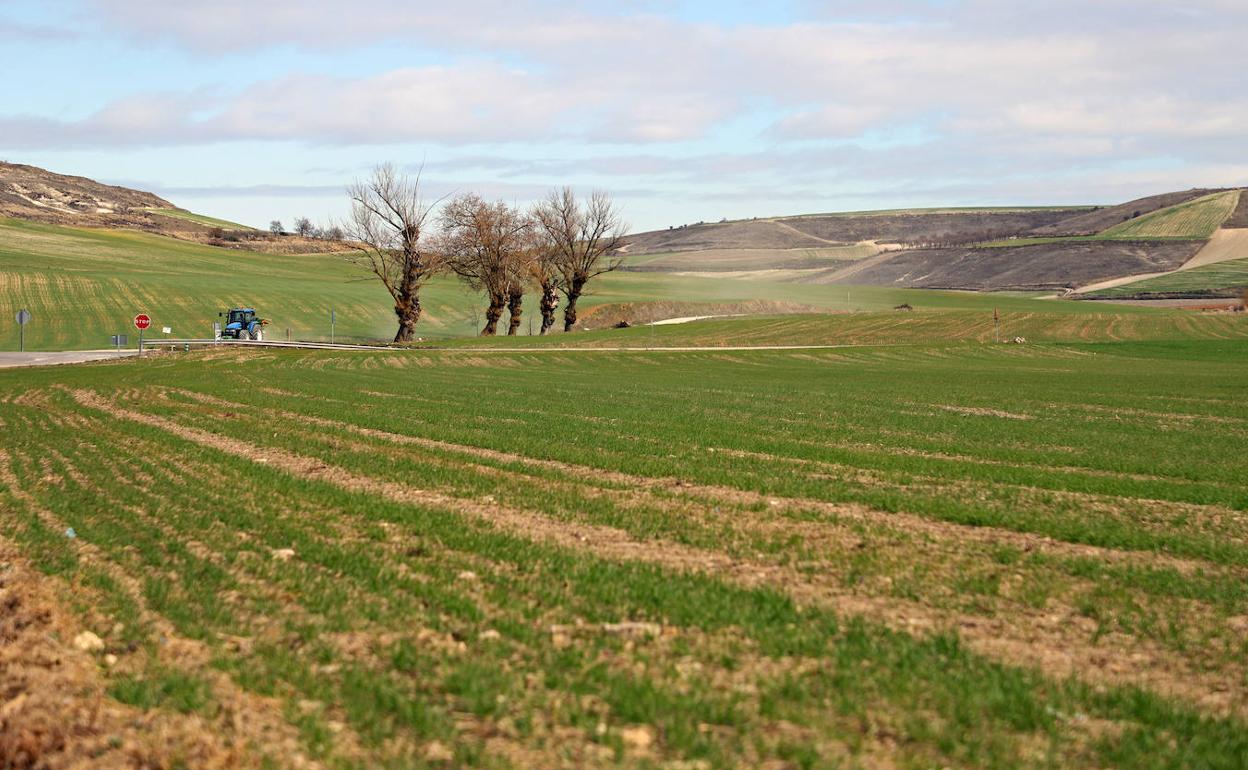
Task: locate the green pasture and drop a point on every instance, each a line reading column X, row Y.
column 82, row 286
column 1221, row 277
column 1032, row 502
column 1197, row 219
column 200, row 219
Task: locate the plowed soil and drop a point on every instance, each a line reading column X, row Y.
column 1040, row 266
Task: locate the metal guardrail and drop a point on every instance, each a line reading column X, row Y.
column 260, row 344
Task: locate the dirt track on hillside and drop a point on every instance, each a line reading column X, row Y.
column 1226, row 244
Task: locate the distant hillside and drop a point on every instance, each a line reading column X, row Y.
column 909, row 227
column 1035, row 266
column 977, row 249
column 1239, row 217
column 1102, row 219
column 37, row 195
column 27, row 192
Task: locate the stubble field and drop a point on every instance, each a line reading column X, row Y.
column 910, row 556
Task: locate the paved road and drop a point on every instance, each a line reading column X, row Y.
column 9, row 360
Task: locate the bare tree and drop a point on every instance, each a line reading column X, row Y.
column 483, row 244
column 544, row 272
column 386, row 232
column 521, row 274
column 304, row 227
column 275, row 227
column 584, row 238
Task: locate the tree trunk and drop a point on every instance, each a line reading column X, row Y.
column 514, row 299
column 492, row 314
column 549, row 303
column 569, row 311
column 407, row 303
column 407, row 309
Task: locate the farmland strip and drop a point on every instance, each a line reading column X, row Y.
column 1052, row 645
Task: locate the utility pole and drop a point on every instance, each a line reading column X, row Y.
column 333, row 318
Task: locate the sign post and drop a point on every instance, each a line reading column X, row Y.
column 23, row 318
column 141, row 322
column 333, row 318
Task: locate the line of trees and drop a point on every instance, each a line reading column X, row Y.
column 555, row 247
column 305, row 228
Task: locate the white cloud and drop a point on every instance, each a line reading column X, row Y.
column 998, row 93
column 561, row 71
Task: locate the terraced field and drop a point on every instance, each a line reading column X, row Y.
column 1196, row 219
column 972, row 556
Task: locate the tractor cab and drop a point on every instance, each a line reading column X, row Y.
column 242, row 316
column 241, row 323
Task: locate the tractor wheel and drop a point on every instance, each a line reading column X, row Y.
column 259, row 336
column 243, row 334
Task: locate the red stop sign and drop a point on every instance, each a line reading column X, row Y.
column 142, row 321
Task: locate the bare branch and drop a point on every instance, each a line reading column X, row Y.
column 386, row 232
column 585, row 240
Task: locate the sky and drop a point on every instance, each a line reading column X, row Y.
column 254, row 110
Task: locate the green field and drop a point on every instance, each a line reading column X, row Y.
column 200, row 219
column 1196, row 219
column 894, row 328
column 1223, row 277
column 905, row 556
column 84, row 285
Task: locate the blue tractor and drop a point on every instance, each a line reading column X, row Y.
column 242, row 323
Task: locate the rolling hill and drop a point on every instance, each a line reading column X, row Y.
column 28, row 192
column 908, row 227
column 1103, row 218
column 974, row 249
column 85, row 257
column 35, row 194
